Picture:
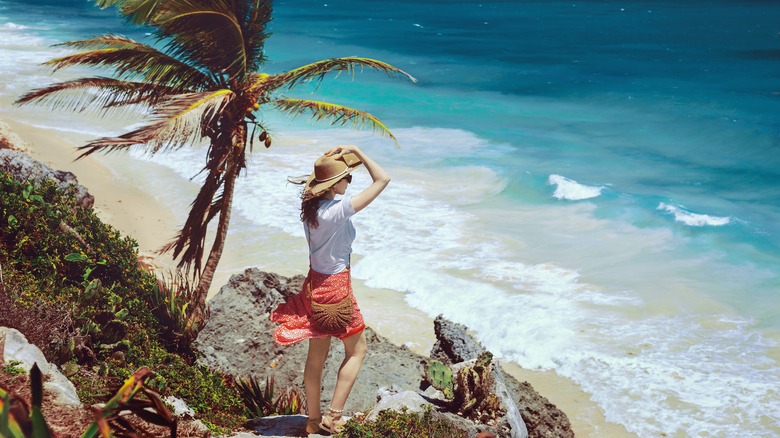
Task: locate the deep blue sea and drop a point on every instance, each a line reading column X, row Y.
column 592, row 186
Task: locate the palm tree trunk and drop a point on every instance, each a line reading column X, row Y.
column 207, row 275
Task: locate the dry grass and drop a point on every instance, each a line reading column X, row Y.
column 42, row 325
column 65, row 421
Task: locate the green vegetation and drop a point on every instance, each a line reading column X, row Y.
column 392, row 424
column 16, row 419
column 440, row 377
column 66, row 271
column 12, row 368
column 261, row 402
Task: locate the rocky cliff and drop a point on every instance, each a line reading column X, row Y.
column 237, row 340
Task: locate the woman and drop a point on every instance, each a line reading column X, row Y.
column 326, row 306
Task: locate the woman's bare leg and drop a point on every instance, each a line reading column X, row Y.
column 312, row 374
column 355, row 349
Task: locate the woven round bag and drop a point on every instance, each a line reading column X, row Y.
column 332, row 317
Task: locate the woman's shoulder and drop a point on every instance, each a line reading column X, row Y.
column 331, row 203
column 336, row 207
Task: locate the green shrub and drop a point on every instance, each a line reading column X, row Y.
column 50, row 237
column 404, row 424
column 170, row 300
column 212, row 395
column 65, row 255
column 90, row 273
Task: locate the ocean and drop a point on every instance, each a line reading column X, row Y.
column 592, row 186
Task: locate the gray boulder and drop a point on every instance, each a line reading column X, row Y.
column 23, row 168
column 389, row 399
column 453, row 343
column 238, row 340
column 16, row 348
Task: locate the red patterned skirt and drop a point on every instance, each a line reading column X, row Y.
column 294, row 315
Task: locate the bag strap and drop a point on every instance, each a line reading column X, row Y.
column 308, row 239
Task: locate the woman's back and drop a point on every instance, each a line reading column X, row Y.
column 330, row 243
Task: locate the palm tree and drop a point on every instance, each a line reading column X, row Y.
column 201, row 86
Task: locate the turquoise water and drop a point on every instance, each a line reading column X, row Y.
column 592, row 186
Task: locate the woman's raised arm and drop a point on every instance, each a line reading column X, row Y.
column 378, row 175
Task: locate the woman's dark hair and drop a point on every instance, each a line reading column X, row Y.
column 309, row 206
column 309, row 203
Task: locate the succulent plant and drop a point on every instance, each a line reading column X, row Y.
column 261, row 402
column 113, row 332
column 16, row 419
column 440, row 377
column 474, row 395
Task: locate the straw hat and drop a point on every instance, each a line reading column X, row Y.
column 330, row 169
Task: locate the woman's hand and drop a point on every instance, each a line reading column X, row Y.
column 343, row 149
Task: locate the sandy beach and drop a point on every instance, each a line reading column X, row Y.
column 127, row 198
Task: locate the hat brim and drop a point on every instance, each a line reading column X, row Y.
column 314, row 188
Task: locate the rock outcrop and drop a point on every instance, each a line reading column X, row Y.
column 11, row 140
column 16, row 349
column 543, row 419
column 453, row 343
column 238, row 341
column 23, row 168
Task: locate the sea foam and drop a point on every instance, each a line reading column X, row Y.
column 13, row 26
column 693, row 219
column 572, row 190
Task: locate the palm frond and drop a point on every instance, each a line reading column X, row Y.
column 222, row 37
column 95, row 93
column 136, row 12
column 318, row 70
column 191, row 240
column 336, row 114
column 178, row 121
column 209, row 32
column 255, row 32
column 106, row 3
column 132, row 60
column 101, row 42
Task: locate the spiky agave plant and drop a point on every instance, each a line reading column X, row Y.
column 201, row 85
column 16, row 419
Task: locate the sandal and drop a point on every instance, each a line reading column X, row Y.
column 313, row 425
column 333, row 422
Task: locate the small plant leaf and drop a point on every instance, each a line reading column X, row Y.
column 75, row 257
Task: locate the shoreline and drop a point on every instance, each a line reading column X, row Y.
column 144, row 215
